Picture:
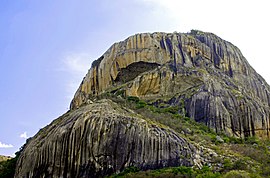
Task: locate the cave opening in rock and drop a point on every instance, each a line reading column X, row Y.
column 133, row 70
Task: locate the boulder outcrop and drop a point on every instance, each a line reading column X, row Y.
column 100, row 139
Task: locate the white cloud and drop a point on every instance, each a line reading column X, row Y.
column 24, row 135
column 3, row 145
column 76, row 66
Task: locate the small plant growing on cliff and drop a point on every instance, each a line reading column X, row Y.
column 252, row 140
column 141, row 104
column 133, row 99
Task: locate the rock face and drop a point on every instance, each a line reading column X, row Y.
column 100, row 139
column 211, row 76
column 199, row 74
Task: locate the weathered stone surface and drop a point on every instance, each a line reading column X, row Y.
column 205, row 77
column 100, row 139
column 211, row 76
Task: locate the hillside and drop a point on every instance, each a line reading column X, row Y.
column 7, row 166
column 153, row 101
column 4, row 158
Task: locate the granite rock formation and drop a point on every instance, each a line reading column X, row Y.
column 203, row 76
column 217, row 84
column 100, row 139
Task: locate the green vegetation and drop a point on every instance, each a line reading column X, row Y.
column 180, row 171
column 126, row 171
column 240, row 174
column 7, row 168
column 237, row 93
column 184, row 172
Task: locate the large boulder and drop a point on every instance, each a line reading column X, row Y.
column 100, row 139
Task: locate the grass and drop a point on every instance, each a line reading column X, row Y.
column 169, row 172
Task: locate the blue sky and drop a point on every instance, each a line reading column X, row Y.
column 46, row 47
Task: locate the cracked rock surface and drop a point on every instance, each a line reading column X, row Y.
column 197, row 74
column 100, row 139
column 218, row 86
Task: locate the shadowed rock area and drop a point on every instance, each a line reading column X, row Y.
column 133, row 70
